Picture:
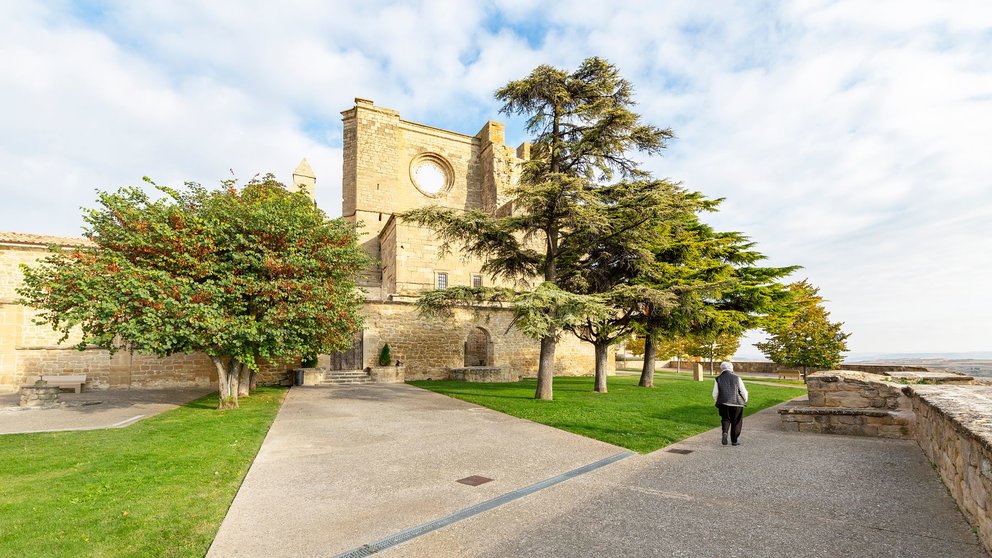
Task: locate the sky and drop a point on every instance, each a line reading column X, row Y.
column 852, row 138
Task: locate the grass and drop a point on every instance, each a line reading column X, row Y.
column 160, row 487
column 639, row 419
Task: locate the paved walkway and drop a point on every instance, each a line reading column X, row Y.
column 350, row 466
column 91, row 410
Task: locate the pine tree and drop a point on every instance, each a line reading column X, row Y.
column 584, row 134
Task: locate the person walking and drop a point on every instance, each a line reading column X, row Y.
column 731, row 397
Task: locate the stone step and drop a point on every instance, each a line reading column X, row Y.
column 345, row 382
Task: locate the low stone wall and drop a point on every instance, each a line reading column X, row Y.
column 483, row 374
column 954, row 429
column 387, row 374
column 851, row 403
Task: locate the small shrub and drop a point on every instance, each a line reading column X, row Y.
column 385, row 357
column 309, row 360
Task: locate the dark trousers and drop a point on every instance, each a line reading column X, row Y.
column 731, row 419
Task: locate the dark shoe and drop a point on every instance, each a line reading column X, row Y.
column 724, row 439
column 736, row 443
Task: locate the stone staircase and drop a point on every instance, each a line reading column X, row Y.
column 345, row 377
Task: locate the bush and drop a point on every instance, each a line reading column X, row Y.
column 385, row 357
column 309, row 360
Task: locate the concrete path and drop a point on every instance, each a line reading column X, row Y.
column 345, row 467
column 92, row 410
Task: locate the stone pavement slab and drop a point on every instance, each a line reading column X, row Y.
column 779, row 494
column 91, row 410
column 345, row 466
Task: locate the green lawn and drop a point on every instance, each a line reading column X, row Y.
column 160, row 487
column 636, row 418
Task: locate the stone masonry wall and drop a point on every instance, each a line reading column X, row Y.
column 851, row 403
column 429, row 347
column 954, row 429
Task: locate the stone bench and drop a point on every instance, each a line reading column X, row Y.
column 790, row 375
column 75, row 382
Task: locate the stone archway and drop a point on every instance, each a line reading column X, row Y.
column 478, row 348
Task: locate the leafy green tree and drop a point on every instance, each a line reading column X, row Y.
column 635, row 345
column 806, row 338
column 670, row 347
column 584, row 133
column 241, row 275
column 713, row 345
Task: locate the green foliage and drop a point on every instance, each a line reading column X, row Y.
column 309, row 360
column 160, row 487
column 806, row 337
column 635, row 346
column 243, row 275
column 385, row 356
column 538, row 313
column 638, row 419
column 718, row 286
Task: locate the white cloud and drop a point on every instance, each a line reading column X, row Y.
column 847, row 137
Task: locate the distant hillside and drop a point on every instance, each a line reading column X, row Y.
column 888, row 357
column 976, row 363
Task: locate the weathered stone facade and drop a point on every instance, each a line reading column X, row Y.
column 380, row 179
column 384, row 160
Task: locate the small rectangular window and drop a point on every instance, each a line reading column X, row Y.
column 442, row 280
column 476, row 280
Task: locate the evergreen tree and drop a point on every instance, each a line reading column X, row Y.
column 584, row 133
column 719, row 288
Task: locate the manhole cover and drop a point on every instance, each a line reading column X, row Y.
column 680, row 451
column 474, row 480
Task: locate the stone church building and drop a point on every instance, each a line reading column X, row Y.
column 390, row 165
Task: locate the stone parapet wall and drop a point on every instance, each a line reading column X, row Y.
column 954, row 429
column 851, row 403
column 855, row 390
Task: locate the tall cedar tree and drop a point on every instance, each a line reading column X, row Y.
column 637, row 213
column 719, row 289
column 806, row 338
column 259, row 273
column 583, row 132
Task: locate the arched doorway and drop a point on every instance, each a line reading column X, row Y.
column 477, row 348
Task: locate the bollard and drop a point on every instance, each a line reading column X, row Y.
column 697, row 372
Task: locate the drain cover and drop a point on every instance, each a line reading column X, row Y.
column 680, row 451
column 474, row 480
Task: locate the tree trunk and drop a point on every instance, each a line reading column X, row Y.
column 602, row 352
column 647, row 370
column 546, row 369
column 252, row 380
column 678, row 363
column 226, row 383
column 244, row 380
